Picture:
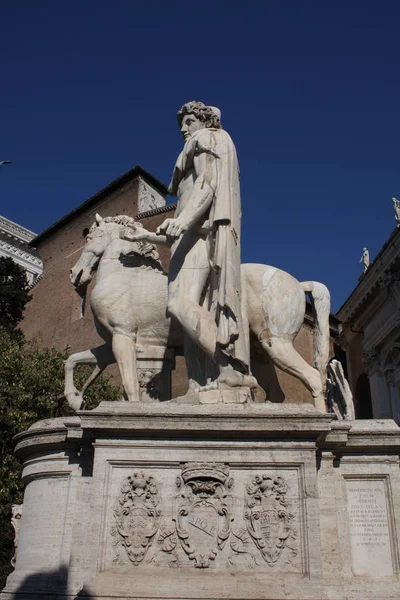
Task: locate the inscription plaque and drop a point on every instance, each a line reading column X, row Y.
column 369, row 528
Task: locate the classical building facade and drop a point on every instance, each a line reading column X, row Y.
column 370, row 334
column 15, row 243
column 59, row 317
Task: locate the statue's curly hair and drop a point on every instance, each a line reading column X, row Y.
column 204, row 113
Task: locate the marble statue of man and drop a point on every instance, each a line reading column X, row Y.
column 365, row 259
column 396, row 206
column 204, row 286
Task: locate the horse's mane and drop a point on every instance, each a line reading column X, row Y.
column 144, row 248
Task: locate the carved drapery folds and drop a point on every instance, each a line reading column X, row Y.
column 137, row 516
column 202, row 512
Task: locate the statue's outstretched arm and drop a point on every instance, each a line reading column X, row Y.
column 135, row 235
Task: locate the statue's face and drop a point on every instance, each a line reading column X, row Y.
column 190, row 124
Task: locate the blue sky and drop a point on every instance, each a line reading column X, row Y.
column 309, row 91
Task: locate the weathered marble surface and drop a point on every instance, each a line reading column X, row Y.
column 254, row 501
column 214, row 299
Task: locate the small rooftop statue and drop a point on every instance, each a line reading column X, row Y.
column 365, row 259
column 396, row 206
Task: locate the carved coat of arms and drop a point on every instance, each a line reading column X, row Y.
column 202, row 511
column 137, row 516
column 269, row 520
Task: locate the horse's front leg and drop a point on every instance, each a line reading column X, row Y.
column 124, row 348
column 100, row 357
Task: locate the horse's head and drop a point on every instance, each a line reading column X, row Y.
column 96, row 242
column 101, row 234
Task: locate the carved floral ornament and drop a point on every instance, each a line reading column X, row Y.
column 202, row 518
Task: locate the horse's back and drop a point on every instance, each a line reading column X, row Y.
column 276, row 300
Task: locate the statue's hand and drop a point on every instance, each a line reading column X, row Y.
column 171, row 228
column 134, row 235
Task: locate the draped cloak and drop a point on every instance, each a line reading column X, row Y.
column 222, row 226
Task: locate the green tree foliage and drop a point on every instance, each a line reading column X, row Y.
column 31, row 388
column 14, row 293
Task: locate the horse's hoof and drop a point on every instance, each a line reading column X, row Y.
column 75, row 402
column 319, row 403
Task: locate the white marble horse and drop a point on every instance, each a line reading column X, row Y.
column 129, row 303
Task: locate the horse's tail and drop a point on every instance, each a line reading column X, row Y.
column 321, row 304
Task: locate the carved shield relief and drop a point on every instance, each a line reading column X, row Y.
column 269, row 520
column 136, row 516
column 202, row 511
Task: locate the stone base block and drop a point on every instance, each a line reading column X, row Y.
column 185, row 502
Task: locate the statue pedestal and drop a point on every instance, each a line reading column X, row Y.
column 222, row 395
column 241, row 501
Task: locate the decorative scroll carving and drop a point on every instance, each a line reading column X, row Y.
column 269, row 520
column 167, row 555
column 20, row 232
column 240, row 545
column 16, row 515
column 137, row 516
column 202, row 511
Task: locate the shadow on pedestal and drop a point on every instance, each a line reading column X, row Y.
column 52, row 585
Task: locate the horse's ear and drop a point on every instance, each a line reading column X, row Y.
column 99, row 219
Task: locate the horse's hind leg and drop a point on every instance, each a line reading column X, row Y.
column 284, row 356
column 101, row 356
column 124, row 348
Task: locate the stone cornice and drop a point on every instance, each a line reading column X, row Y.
column 16, row 230
column 371, row 281
column 11, row 250
column 302, row 421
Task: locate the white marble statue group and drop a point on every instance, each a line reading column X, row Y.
column 218, row 310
